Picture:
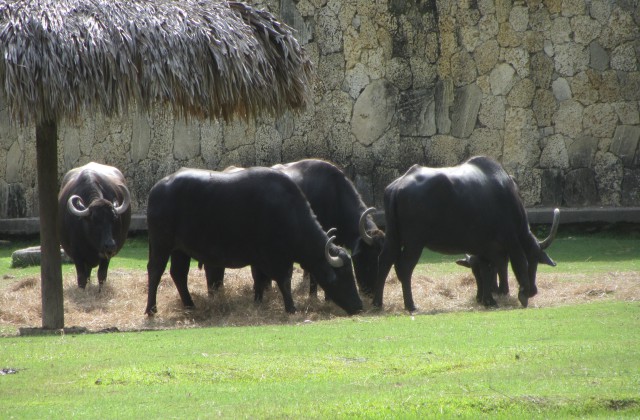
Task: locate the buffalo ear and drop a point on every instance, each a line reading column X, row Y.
column 545, row 259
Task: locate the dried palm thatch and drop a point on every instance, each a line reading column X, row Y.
column 203, row 58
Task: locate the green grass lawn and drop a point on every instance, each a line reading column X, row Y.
column 556, row 362
column 568, row 361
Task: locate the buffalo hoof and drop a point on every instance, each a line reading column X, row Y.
column 151, row 311
column 411, row 308
column 489, row 302
column 290, row 310
column 523, row 298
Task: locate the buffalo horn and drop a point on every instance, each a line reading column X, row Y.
column 335, row 262
column 544, row 244
column 80, row 212
column 126, row 200
column 362, row 225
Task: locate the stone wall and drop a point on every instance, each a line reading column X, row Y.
column 551, row 88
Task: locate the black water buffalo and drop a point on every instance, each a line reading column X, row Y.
column 337, row 204
column 93, row 218
column 256, row 217
column 472, row 208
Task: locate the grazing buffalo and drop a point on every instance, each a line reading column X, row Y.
column 472, row 208
column 337, row 204
column 256, row 217
column 93, row 218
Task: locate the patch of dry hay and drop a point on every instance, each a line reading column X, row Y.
column 122, row 301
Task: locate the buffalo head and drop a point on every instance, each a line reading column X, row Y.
column 99, row 219
column 535, row 253
column 365, row 253
column 341, row 287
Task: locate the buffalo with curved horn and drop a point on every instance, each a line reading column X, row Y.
column 471, row 208
column 256, row 217
column 337, row 205
column 488, row 273
column 94, row 212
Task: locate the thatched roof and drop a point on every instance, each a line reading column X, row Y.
column 203, row 58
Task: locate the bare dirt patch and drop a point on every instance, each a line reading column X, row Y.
column 121, row 303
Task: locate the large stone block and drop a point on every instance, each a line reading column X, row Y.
column 521, row 138
column 465, row 110
column 519, row 18
column 373, row 111
column 581, row 152
column 443, row 101
column 16, row 201
column 521, row 95
column 571, row 59
column 580, row 188
column 544, row 106
column 624, row 57
column 416, row 111
column 443, row 151
column 609, row 171
column 4, row 194
column 551, row 187
column 186, row 140
column 32, row 256
column 502, row 79
column 492, row 112
column 486, row 56
column 625, row 143
column 140, row 138
column 542, row 69
column 627, row 112
column 327, row 32
column 585, row 29
column 630, row 85
column 568, row 118
column 14, row 163
column 487, row 142
column 554, row 153
column 463, row 69
column 630, row 194
column 583, row 87
column 599, row 120
column 598, row 57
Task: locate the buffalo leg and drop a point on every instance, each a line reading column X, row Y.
column 485, row 274
column 215, row 278
column 520, row 267
column 260, row 283
column 385, row 261
column 313, row 284
column 503, row 275
column 284, row 284
column 102, row 272
column 155, row 267
column 83, row 272
column 179, row 273
column 404, row 269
